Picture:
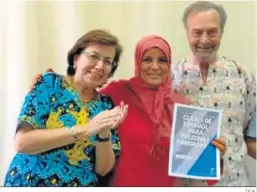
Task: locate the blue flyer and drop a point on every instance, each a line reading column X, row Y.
column 192, row 154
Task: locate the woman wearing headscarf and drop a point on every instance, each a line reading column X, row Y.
column 145, row 133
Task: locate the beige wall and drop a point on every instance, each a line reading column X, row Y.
column 37, row 35
column 50, row 33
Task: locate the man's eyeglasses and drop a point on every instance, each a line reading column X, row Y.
column 96, row 57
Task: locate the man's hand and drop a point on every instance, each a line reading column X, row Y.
column 220, row 144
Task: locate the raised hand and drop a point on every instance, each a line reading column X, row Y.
column 124, row 112
column 104, row 121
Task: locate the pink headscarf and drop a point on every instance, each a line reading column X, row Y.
column 157, row 103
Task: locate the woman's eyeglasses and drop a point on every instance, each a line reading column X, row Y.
column 97, row 57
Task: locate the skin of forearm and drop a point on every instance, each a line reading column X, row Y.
column 34, row 141
column 105, row 157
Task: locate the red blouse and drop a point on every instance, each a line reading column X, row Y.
column 135, row 167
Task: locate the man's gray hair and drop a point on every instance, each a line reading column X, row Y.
column 200, row 6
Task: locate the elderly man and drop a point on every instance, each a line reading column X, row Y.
column 212, row 81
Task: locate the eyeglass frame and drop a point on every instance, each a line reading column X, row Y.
column 99, row 57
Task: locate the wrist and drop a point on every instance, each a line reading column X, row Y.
column 104, row 134
column 74, row 133
column 103, row 137
column 81, row 131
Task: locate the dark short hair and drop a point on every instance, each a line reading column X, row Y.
column 101, row 37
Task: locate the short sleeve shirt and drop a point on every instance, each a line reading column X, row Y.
column 232, row 89
column 54, row 104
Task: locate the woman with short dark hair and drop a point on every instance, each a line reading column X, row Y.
column 66, row 132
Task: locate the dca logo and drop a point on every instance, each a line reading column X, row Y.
column 250, row 190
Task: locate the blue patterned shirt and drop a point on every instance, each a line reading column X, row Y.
column 53, row 104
